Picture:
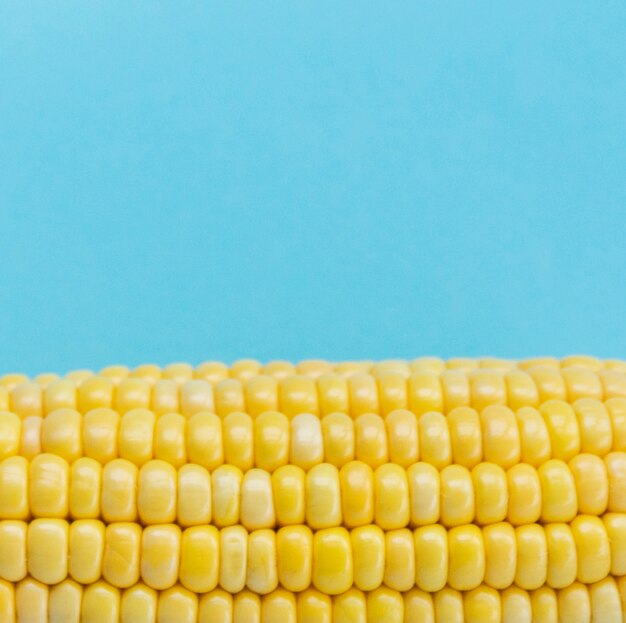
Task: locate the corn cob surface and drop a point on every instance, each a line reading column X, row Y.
column 418, row 491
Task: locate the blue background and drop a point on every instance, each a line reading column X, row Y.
column 326, row 179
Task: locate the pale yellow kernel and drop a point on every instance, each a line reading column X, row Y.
column 332, row 561
column 501, row 439
column 10, row 434
column 349, row 607
column 549, row 382
column 47, row 546
column 307, row 446
column 592, row 483
column 132, row 394
column 85, row 488
column 363, row 394
column 64, row 602
column 86, row 549
column 592, row 548
column 332, row 390
column 193, row 505
column 558, row 492
column 119, row 491
column 262, row 573
column 165, row 397
column 488, row 388
column 31, row 601
column 466, row 557
column 425, row 393
column 516, row 605
column 294, row 546
column 138, row 603
column 215, row 607
column 392, row 392
column 449, row 606
column 238, row 440
column 323, row 497
column 534, row 437
column 456, row 389
column 61, row 434
column 212, row 371
column 418, row 606
column 48, row 486
column 402, row 437
column 562, row 558
column 13, row 550
column 261, row 394
column 247, row 608
column 399, row 560
column 368, row 551
column 544, row 605
column 288, row 486
column 116, row 373
column 521, row 389
column 524, row 488
column 257, row 502
column 615, row 525
column 491, row 493
column 431, row 557
column 100, row 432
column 121, row 559
column 30, row 445
column 196, row 396
column 500, row 555
column 434, row 438
column 160, row 555
column 371, row 440
column 532, row 557
column 392, row 507
column 136, row 436
column 26, row 399
column 179, row 371
column 563, row 428
column 315, row 607
column 424, row 494
column 101, row 604
column 298, row 394
column 482, row 605
column 229, row 397
column 357, row 493
column 385, row 604
column 200, row 558
column 605, row 601
column 170, row 439
column 156, row 492
column 204, row 440
column 177, row 605
column 14, row 489
column 616, row 470
column 148, row 371
column 338, row 437
column 59, row 394
column 233, row 558
column 457, row 496
column 279, row 606
column 465, row 436
column 94, row 393
column 271, row 440
column 574, row 604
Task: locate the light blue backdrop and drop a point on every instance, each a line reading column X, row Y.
column 198, row 180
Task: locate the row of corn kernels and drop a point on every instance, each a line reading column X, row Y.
column 357, row 394
column 332, row 560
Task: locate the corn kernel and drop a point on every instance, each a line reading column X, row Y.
column 10, row 434
column 431, row 557
column 338, row 438
column 332, row 561
column 64, row 602
column 307, row 446
column 521, row 389
column 169, row 439
column 581, row 383
column 204, row 440
column 323, row 497
column 138, row 603
column 434, row 436
column 562, row 558
column 592, row 548
column 516, row 605
column 160, row 549
column 487, row 388
column 333, row 394
column 549, row 382
column 544, row 605
column 177, row 605
column 30, row 445
column 271, row 440
column 615, row 525
column 500, row 555
column 156, row 492
column 132, row 394
column 233, row 558
column 348, row 607
column 402, row 437
column 592, row 484
column 85, row 488
column 294, row 545
column 357, row 494
column 524, row 487
column 491, row 491
column 136, row 434
column 119, row 486
column 314, row 607
column 100, row 430
column 616, row 470
column 215, row 607
column 563, row 428
column 194, row 496
column 368, row 551
column 457, row 496
column 257, row 503
column 47, row 545
column 48, row 486
column 418, row 606
column 482, row 605
column 466, row 557
column 298, row 394
column 605, row 601
column 247, row 608
column 261, row 395
column 226, row 483
column 211, row 371
column 465, row 437
column 199, row 559
column 288, row 486
column 196, row 397
column 262, row 575
column 501, row 440
column 101, row 604
column 31, row 601
column 93, row 393
column 558, row 492
column 26, row 399
column 456, row 389
column 574, row 604
column 229, row 397
column 279, row 607
column 122, row 554
column 392, row 392
column 59, row 394
column 449, row 606
column 371, row 440
column 424, row 494
column 425, row 393
column 165, row 398
column 385, row 604
column 14, row 503
column 13, row 550
column 86, row 549
column 363, row 394
column 399, row 560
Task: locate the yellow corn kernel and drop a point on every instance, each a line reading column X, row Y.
column 26, row 399
column 338, row 436
column 487, row 389
column 549, row 382
column 288, row 486
column 13, row 550
column 392, row 508
column 122, row 554
column 215, row 607
column 333, row 394
column 132, row 393
column 494, row 363
column 605, row 601
column 385, row 604
column 399, row 560
column 434, row 437
column 261, row 395
column 465, row 437
column 193, row 506
column 466, row 557
column 500, row 555
column 615, row 525
column 238, row 440
column 179, row 372
column 262, row 574
column 314, row 607
column 418, row 606
column 390, row 366
column 592, row 484
column 323, row 497
column 581, row 383
column 368, row 552
column 245, row 369
column 119, row 486
column 177, row 605
column 425, row 393
column 482, row 605
column 357, row 494
column 148, row 371
column 392, row 392
column 156, row 492
column 516, row 605
column 200, row 559
column 64, row 602
column 457, row 496
column 431, row 557
column 617, row 412
column 30, row 445
column 47, row 546
column 85, row 488
column 165, row 397
column 160, row 554
column 31, row 601
column 558, row 492
column 279, row 607
column 196, row 397
column 521, row 389
column 613, row 383
column 298, row 394
column 544, row 605
column 233, row 558
column 524, row 489
column 48, row 486
column 247, row 608
column 4, row 398
column 14, row 502
column 59, row 394
column 592, row 548
column 138, row 603
column 371, row 440
column 229, row 397
column 614, row 364
column 501, row 439
column 10, row 434
column 169, row 439
column 534, row 437
column 101, row 604
column 449, row 606
column 456, row 389
column 294, row 546
column 402, row 437
column 363, row 394
column 491, row 493
column 136, row 436
column 574, row 604
column 226, row 483
column 9, row 381
column 424, row 494
column 100, row 429
column 61, row 434
column 348, row 607
column 581, row 361
column 563, row 428
column 562, row 559
column 204, row 440
column 436, row 365
column 307, row 446
column 332, row 561
column 616, row 470
column 257, row 504
column 595, row 426
column 532, row 557
column 86, row 549
column 271, row 440
column 116, row 373
column 94, row 393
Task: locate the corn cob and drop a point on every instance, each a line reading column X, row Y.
column 467, row 490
